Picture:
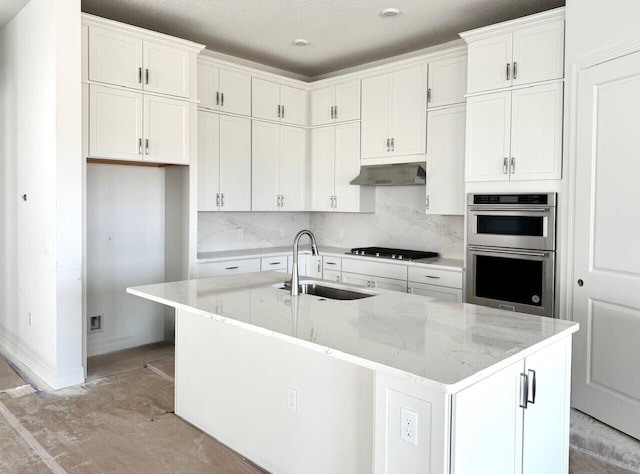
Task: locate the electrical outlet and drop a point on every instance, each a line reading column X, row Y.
column 292, row 399
column 95, row 323
column 409, row 426
column 240, row 233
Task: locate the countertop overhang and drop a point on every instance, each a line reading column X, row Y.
column 440, row 344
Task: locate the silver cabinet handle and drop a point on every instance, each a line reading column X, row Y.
column 373, row 284
column 513, row 165
column 319, row 263
column 146, row 76
column 139, row 75
column 221, row 199
column 231, row 268
column 427, row 202
column 505, row 164
column 282, row 200
column 428, row 95
column 368, row 284
column 388, row 144
column 393, row 144
column 335, row 110
column 515, row 70
column 508, row 71
column 146, row 146
column 331, row 199
column 275, row 263
column 221, row 99
column 217, row 199
column 283, row 111
column 279, row 110
column 432, row 276
column 511, row 209
column 217, row 98
column 330, row 263
column 533, row 386
column 332, row 116
column 139, row 146
column 524, row 390
column 335, row 201
column 526, row 253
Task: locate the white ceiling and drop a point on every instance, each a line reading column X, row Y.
column 9, row 8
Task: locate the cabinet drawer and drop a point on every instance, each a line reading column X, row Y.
column 229, row 267
column 440, row 292
column 278, row 262
column 364, row 267
column 332, row 263
column 434, row 276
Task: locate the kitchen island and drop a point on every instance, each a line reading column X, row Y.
column 388, row 383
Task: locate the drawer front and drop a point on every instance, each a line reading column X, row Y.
column 273, row 263
column 229, row 267
column 379, row 269
column 434, row 276
column 332, row 275
column 332, row 263
column 440, row 292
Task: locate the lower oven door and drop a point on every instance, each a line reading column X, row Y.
column 516, row 280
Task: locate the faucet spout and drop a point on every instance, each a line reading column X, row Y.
column 295, row 279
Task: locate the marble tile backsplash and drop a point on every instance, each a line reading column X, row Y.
column 399, row 221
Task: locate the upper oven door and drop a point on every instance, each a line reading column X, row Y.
column 521, row 227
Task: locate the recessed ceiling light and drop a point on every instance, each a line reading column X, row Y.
column 300, row 42
column 389, row 12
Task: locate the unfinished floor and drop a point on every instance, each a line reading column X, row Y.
column 121, row 420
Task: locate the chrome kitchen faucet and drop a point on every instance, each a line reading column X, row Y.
column 295, row 279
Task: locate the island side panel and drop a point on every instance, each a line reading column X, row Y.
column 234, row 383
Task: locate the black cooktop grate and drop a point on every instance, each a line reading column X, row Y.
column 400, row 254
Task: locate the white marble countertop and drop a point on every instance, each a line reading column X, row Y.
column 223, row 255
column 444, row 345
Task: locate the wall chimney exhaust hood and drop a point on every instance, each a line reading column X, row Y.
column 401, row 174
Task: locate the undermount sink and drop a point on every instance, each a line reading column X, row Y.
column 334, row 292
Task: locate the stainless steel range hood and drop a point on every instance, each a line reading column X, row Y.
column 400, row 174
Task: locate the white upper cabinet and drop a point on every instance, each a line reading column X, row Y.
column 166, row 69
column 394, row 113
column 516, row 52
column 445, row 161
column 447, row 81
column 115, row 58
column 515, row 135
column 278, row 167
column 166, row 130
column 223, row 89
column 282, row 103
column 338, row 103
column 224, row 162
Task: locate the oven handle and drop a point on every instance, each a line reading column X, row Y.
column 510, row 209
column 510, row 252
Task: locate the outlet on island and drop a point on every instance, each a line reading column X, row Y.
column 292, row 399
column 409, row 426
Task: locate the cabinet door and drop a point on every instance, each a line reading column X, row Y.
column 488, row 137
column 347, row 166
column 166, row 130
column 332, row 275
column 347, row 101
column 293, row 169
column 322, row 102
column 445, row 161
column 356, row 279
column 440, row 292
column 546, row 419
column 375, row 116
column 322, row 168
column 235, row 163
column 208, row 161
column 313, row 266
column 294, row 105
column 265, row 99
column 235, row 92
column 229, row 267
column 538, row 53
column 265, row 152
column 487, row 425
column 488, row 60
column 409, row 111
column 115, row 58
column 207, row 86
column 447, row 81
column 115, row 124
column 536, row 132
column 389, row 284
column 166, row 69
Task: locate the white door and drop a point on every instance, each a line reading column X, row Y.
column 166, row 69
column 265, row 156
column 322, row 102
column 440, row 292
column 208, row 86
column 606, row 373
column 356, row 279
column 409, row 111
column 347, row 167
column 536, row 132
column 488, row 62
column 447, row 81
column 294, row 105
column 347, row 101
column 389, row 284
column 235, row 163
column 208, row 161
column 235, row 92
column 538, row 53
column 115, row 124
column 166, row 130
column 265, row 99
column 115, row 58
column 293, row 169
column 445, row 161
column 376, row 116
column 322, row 168
column 488, row 137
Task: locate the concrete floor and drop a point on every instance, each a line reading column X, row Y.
column 121, row 420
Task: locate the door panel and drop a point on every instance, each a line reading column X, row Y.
column 348, row 101
column 166, row 127
column 265, row 99
column 115, row 58
column 235, row 163
column 606, row 254
column 448, row 81
column 168, row 69
column 347, row 166
column 322, row 160
column 265, row 141
column 207, row 86
column 488, row 59
column 322, row 100
column 235, row 92
column 538, row 53
column 294, row 105
column 375, row 116
column 208, row 161
column 409, row 111
column 293, row 169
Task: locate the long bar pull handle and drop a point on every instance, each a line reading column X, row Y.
column 282, row 200
column 139, row 75
column 427, row 202
column 513, row 165
column 217, row 98
column 388, row 144
column 432, row 276
column 515, row 70
column 279, row 110
column 146, row 146
column 508, row 71
column 332, row 112
column 510, row 209
column 221, row 99
column 331, row 199
column 524, row 390
column 429, row 95
column 217, row 199
column 505, row 165
column 393, row 144
column 139, row 146
column 335, row 109
column 526, row 253
column 231, row 268
column 222, row 199
column 146, row 76
column 283, row 111
column 533, row 386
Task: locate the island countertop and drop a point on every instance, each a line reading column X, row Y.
column 443, row 345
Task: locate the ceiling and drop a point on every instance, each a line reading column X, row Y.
column 9, row 8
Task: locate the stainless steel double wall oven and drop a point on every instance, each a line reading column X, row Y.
column 511, row 244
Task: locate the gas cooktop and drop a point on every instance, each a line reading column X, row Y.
column 398, row 254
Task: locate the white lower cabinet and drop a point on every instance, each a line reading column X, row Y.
column 440, row 292
column 313, row 266
column 388, row 276
column 228, row 267
column 515, row 420
column 277, row 263
column 435, row 282
column 331, row 268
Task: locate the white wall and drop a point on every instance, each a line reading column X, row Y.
column 41, row 237
column 125, row 247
